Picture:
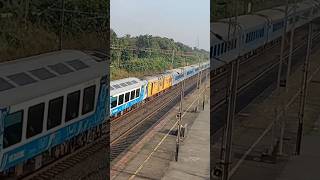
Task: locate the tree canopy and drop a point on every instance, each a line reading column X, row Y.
column 147, row 55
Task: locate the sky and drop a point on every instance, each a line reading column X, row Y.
column 185, row 21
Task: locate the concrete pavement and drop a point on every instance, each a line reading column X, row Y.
column 194, row 157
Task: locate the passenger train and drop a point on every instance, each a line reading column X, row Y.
column 49, row 105
column 127, row 93
column 256, row 31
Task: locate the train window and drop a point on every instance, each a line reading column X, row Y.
column 215, row 50
column 35, row 120
column 72, row 111
column 260, row 33
column 218, row 50
column 55, row 112
column 121, row 99
column 225, row 47
column 12, row 129
column 235, row 43
column 127, row 97
column 114, row 101
column 222, row 48
column 133, row 95
column 137, row 93
column 89, row 95
column 290, row 21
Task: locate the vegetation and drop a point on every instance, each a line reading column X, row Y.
column 34, row 27
column 147, row 54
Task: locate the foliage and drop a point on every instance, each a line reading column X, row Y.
column 133, row 55
column 34, row 27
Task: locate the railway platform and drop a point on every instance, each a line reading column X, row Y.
column 153, row 155
column 305, row 166
column 194, row 156
column 257, row 131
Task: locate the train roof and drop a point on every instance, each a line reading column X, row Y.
column 272, row 14
column 28, row 78
column 152, row 78
column 251, row 21
column 221, row 29
column 123, row 85
column 177, row 70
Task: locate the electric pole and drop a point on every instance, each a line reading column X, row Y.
column 179, row 118
column 172, row 58
column 280, row 104
column 291, row 45
column 303, row 92
column 231, row 101
column 61, row 24
column 282, row 46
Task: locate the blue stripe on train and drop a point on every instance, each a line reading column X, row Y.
column 129, row 104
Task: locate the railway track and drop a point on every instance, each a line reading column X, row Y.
column 147, row 118
column 68, row 161
column 218, row 110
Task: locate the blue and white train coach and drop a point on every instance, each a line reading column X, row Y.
column 125, row 93
column 49, row 105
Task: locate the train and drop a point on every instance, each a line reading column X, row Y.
column 248, row 34
column 127, row 93
column 50, row 104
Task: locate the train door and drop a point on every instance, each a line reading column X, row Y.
column 161, row 83
column 150, row 89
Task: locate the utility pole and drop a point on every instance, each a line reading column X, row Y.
column 61, row 24
column 179, row 118
column 172, row 58
column 26, row 14
column 303, row 92
column 199, row 77
column 291, row 45
column 280, row 104
column 119, row 57
column 231, row 100
column 282, row 47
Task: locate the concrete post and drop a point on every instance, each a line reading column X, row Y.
column 304, row 86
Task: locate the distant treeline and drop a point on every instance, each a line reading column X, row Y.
column 147, row 54
column 34, row 26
